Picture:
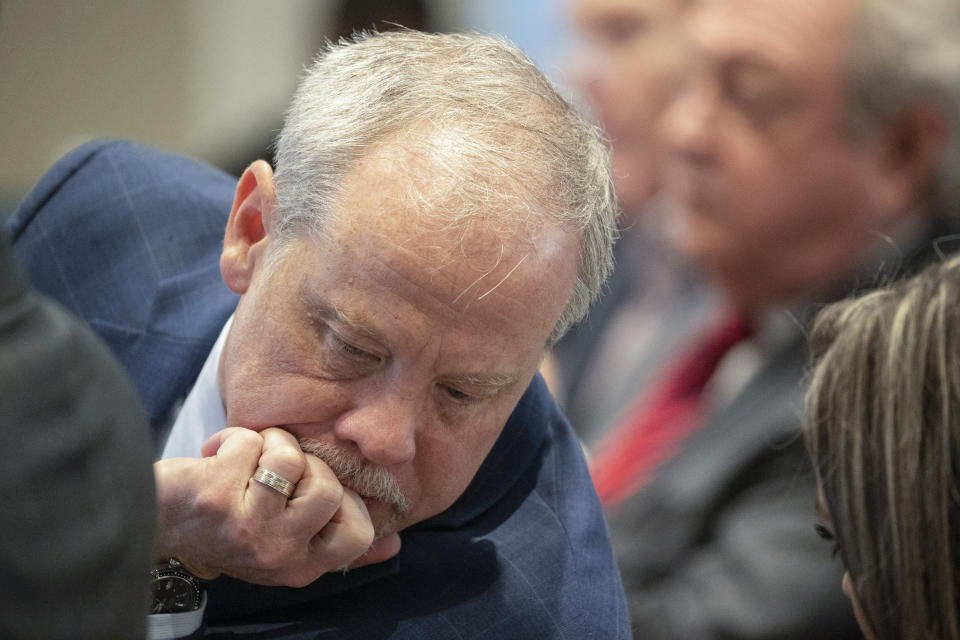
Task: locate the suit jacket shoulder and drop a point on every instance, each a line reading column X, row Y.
column 128, row 239
column 719, row 543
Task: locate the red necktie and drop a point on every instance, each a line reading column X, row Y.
column 627, row 456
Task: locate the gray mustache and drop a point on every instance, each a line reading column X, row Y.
column 360, row 475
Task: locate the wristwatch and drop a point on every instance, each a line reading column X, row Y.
column 175, row 590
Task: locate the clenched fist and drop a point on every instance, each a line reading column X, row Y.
column 215, row 518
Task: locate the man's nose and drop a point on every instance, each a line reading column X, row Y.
column 689, row 122
column 383, row 426
column 585, row 72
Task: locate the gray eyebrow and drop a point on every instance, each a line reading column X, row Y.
column 326, row 311
column 495, row 381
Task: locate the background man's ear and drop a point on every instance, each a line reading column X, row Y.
column 913, row 146
column 248, row 229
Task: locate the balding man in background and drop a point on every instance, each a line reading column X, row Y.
column 629, row 62
column 811, row 152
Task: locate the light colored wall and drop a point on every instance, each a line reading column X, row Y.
column 208, row 78
column 539, row 27
column 202, row 77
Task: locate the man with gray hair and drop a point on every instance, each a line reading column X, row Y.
column 811, row 154
column 438, row 217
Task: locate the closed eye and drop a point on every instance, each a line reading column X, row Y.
column 350, row 350
column 458, row 395
column 343, row 359
column 759, row 93
column 619, row 30
column 479, row 386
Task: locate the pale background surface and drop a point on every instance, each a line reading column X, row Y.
column 208, row 78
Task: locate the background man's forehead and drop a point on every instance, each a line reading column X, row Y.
column 750, row 23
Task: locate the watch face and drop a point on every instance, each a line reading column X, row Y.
column 174, row 592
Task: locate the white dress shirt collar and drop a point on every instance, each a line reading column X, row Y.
column 202, row 413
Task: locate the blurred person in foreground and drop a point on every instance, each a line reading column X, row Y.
column 438, row 217
column 76, row 490
column 630, row 57
column 811, row 152
column 883, row 430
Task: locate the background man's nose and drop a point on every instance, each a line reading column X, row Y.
column 689, row 122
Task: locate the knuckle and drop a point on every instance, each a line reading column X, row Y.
column 270, row 560
column 248, row 438
column 273, row 431
column 365, row 535
column 210, row 506
column 287, row 462
column 287, row 459
column 302, row 579
column 275, row 557
column 357, row 538
column 238, row 542
column 244, row 535
column 329, row 495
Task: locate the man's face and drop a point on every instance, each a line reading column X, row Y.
column 629, row 69
column 774, row 197
column 400, row 344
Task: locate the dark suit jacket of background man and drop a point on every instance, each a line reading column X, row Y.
column 129, row 239
column 76, row 487
column 725, row 527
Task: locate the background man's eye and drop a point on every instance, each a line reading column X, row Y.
column 621, row 30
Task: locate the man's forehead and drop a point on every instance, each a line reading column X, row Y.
column 491, row 291
column 390, row 211
column 775, row 30
column 397, row 187
column 459, row 272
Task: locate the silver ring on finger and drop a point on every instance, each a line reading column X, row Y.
column 276, row 482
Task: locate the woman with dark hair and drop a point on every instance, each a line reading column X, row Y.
column 883, row 431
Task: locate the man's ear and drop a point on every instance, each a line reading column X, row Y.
column 911, row 150
column 247, row 235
